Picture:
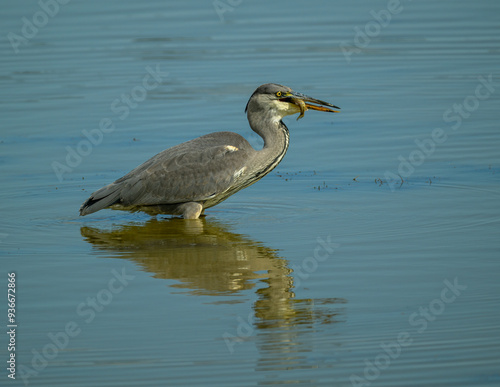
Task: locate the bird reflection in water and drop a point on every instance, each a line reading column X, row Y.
column 202, row 255
column 205, row 258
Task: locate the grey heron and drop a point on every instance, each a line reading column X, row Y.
column 198, row 174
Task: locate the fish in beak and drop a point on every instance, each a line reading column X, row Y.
column 304, row 102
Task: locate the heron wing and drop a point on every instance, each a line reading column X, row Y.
column 196, row 170
column 183, row 175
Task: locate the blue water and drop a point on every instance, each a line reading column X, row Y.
column 370, row 256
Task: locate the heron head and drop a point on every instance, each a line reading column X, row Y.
column 283, row 101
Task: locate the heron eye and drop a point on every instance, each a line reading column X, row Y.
column 278, row 94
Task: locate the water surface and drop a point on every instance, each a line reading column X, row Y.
column 363, row 259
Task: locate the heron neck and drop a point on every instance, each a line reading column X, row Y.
column 272, row 130
column 276, row 137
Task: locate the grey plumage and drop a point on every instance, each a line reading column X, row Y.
column 198, row 174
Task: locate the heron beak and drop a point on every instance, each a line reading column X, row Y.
column 304, row 102
column 322, row 106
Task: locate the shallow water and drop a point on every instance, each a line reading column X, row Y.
column 368, row 257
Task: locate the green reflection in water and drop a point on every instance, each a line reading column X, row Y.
column 205, row 258
column 202, row 255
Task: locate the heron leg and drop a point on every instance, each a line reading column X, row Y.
column 191, row 210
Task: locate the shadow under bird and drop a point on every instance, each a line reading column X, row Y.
column 201, row 173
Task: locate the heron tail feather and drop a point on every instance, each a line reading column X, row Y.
column 102, row 198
